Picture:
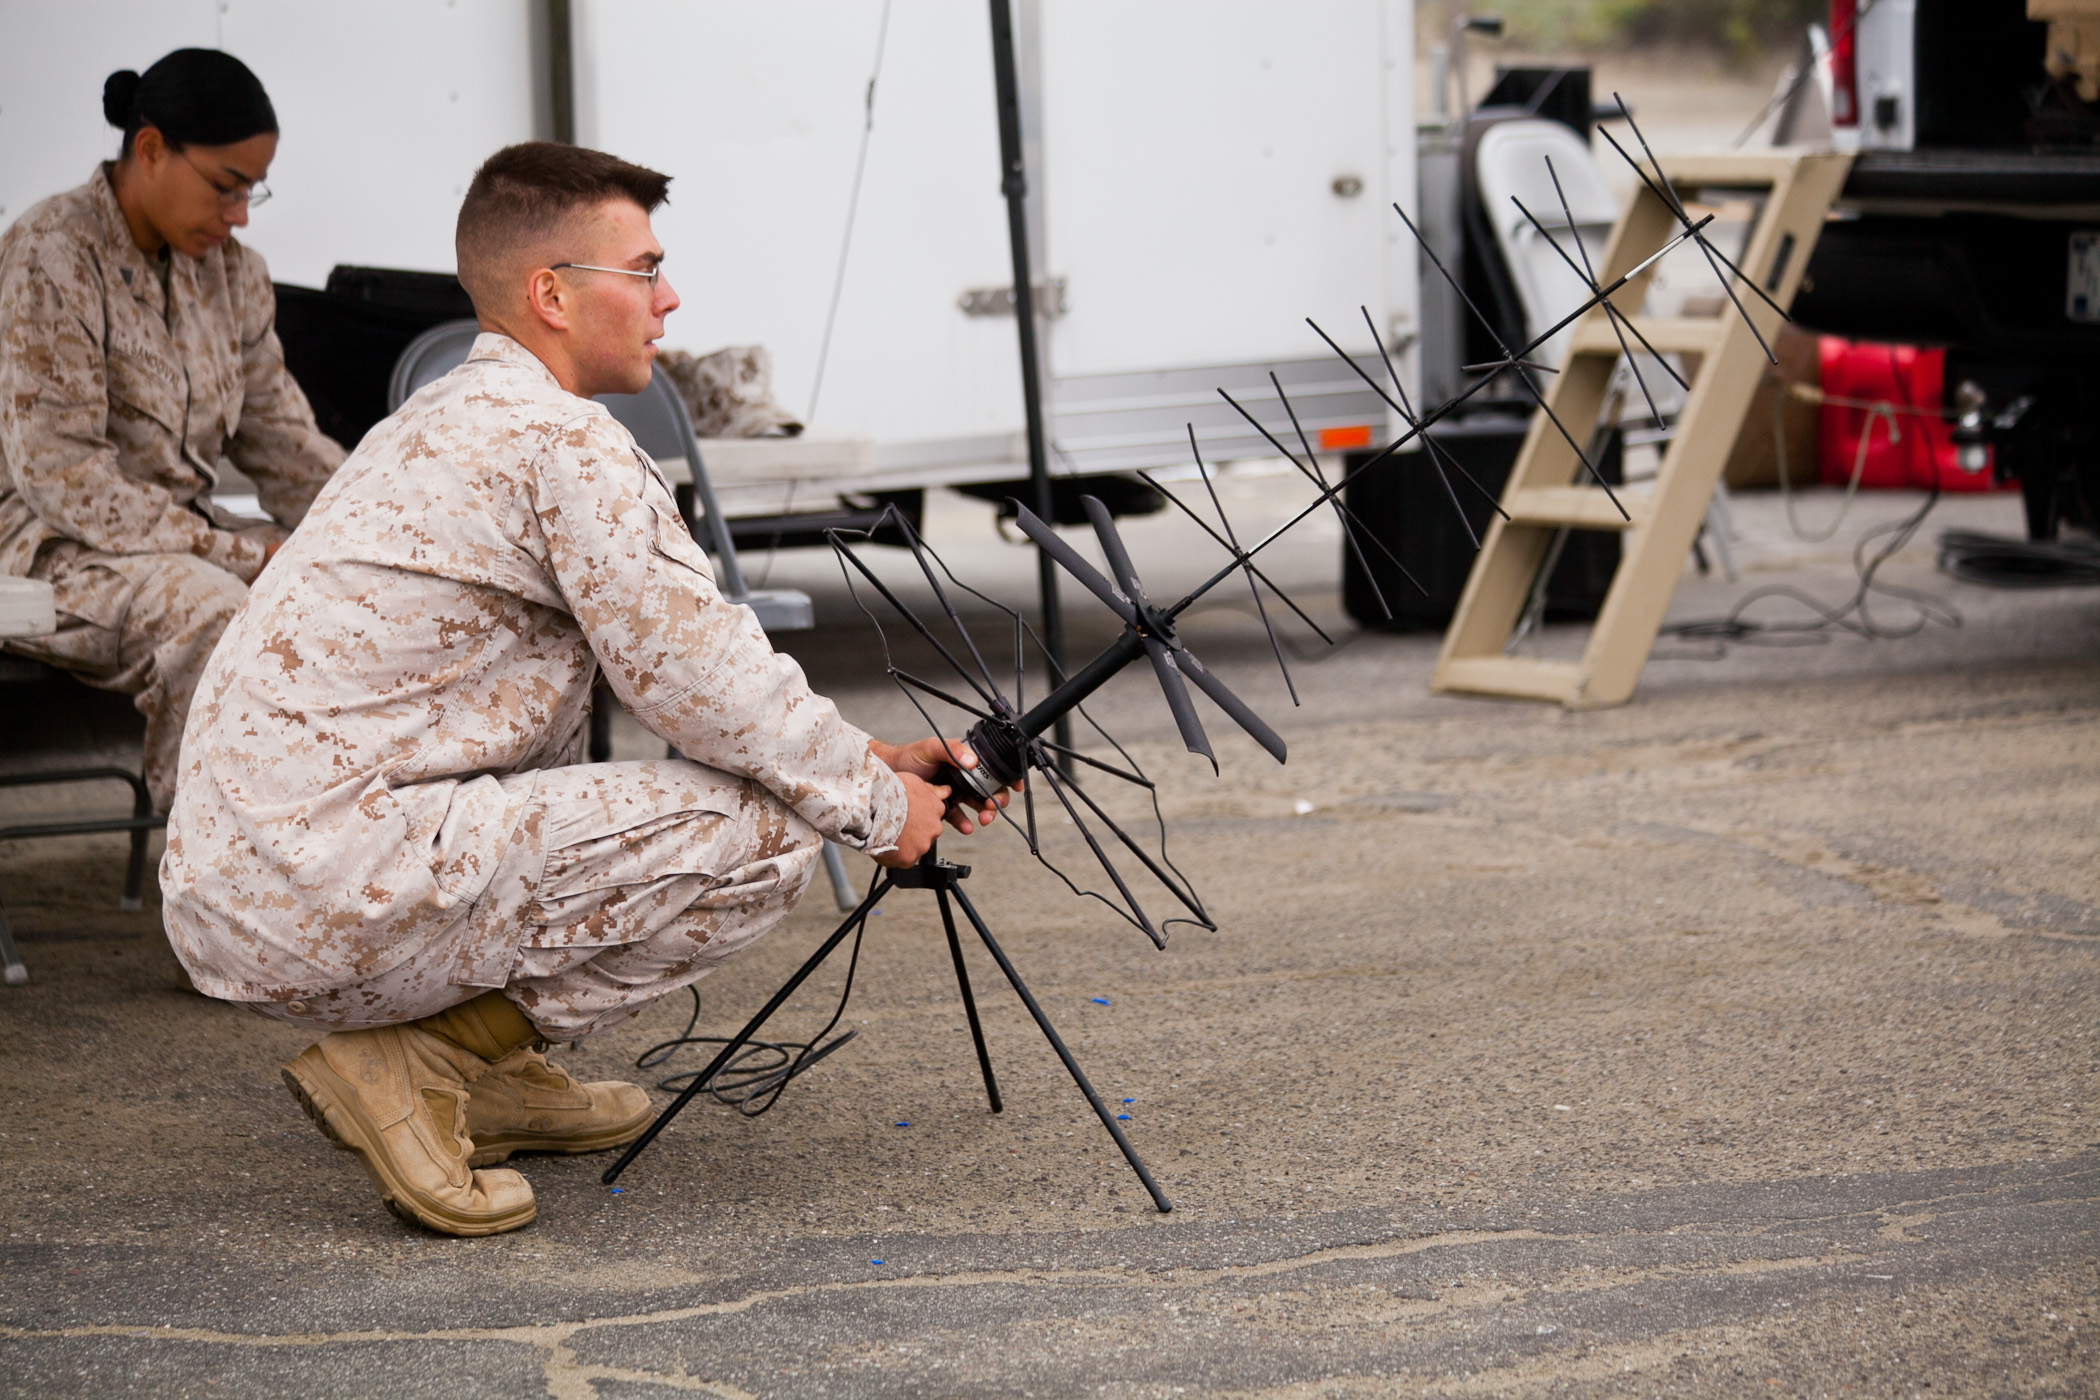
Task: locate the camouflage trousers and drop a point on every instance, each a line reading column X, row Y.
column 142, row 625
column 621, row 883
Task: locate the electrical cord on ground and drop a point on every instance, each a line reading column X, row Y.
column 1880, row 408
column 752, row 1080
column 1854, row 615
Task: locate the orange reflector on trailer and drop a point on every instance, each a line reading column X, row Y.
column 1336, row 439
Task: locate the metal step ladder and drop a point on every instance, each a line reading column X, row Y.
column 1543, row 496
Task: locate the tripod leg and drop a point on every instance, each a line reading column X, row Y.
column 743, row 1037
column 1108, row 1120
column 962, row 980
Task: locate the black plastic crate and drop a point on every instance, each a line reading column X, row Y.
column 341, row 344
column 1404, row 504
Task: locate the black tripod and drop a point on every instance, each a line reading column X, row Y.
column 945, row 879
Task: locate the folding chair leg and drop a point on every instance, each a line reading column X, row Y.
column 10, row 960
column 1720, row 525
column 135, row 872
column 602, row 702
column 841, row 882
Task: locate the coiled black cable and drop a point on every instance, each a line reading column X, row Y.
column 1852, row 616
column 2009, row 563
column 752, row 1080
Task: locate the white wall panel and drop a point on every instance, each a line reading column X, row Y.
column 53, row 58
column 386, row 107
column 756, row 113
column 1186, row 157
column 1191, row 148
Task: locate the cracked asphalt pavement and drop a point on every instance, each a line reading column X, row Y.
column 1737, row 1041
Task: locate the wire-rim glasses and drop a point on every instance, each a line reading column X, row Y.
column 253, row 194
column 648, row 276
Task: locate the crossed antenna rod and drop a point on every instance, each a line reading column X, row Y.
column 1437, row 456
column 1428, row 419
column 1690, row 230
column 1661, row 189
column 1514, row 361
column 1621, row 324
column 1009, row 735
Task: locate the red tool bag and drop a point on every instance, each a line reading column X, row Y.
column 1859, row 377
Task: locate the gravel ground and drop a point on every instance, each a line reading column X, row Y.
column 1735, row 1041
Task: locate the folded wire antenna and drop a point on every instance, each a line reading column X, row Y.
column 1007, row 734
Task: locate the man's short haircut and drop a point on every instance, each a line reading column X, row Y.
column 525, row 195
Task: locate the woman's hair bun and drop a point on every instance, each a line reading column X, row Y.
column 120, row 94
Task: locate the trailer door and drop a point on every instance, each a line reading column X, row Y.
column 1214, row 173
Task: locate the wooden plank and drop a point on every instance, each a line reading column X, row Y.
column 1524, row 677
column 1721, row 392
column 1539, row 497
column 1495, row 590
column 1594, row 334
column 1731, row 168
column 1579, row 507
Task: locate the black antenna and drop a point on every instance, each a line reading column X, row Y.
column 1232, row 540
column 1204, row 526
column 1437, row 455
column 1319, row 479
column 1706, row 249
column 1589, row 278
column 1443, row 410
column 1620, row 323
column 1514, row 360
column 1402, row 407
column 1311, row 466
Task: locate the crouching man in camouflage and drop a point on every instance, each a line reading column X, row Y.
column 383, row 827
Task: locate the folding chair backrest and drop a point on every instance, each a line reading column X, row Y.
column 430, row 357
column 1510, row 160
column 661, row 428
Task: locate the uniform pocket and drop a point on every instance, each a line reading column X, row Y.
column 630, row 846
column 144, row 383
column 669, row 539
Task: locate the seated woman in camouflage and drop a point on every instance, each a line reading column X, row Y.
column 383, row 826
column 137, row 350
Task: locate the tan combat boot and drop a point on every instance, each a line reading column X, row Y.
column 523, row 1103
column 397, row 1097
column 518, row 1102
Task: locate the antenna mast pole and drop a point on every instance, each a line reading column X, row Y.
column 1014, row 184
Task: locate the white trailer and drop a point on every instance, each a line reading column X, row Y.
column 1205, row 175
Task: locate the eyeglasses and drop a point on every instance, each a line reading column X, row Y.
column 252, row 194
column 650, row 276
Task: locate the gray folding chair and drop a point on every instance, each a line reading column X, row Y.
column 658, row 420
column 26, row 610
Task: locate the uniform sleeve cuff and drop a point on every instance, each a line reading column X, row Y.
column 890, row 806
column 241, row 555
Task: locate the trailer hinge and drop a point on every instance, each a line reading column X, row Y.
column 1050, row 301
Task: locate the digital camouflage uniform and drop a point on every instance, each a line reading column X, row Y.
column 118, row 398
column 381, row 809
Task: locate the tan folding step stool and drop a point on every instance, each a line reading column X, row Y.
column 1544, row 496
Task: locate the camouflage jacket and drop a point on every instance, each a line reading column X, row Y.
column 118, row 398
column 363, row 745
